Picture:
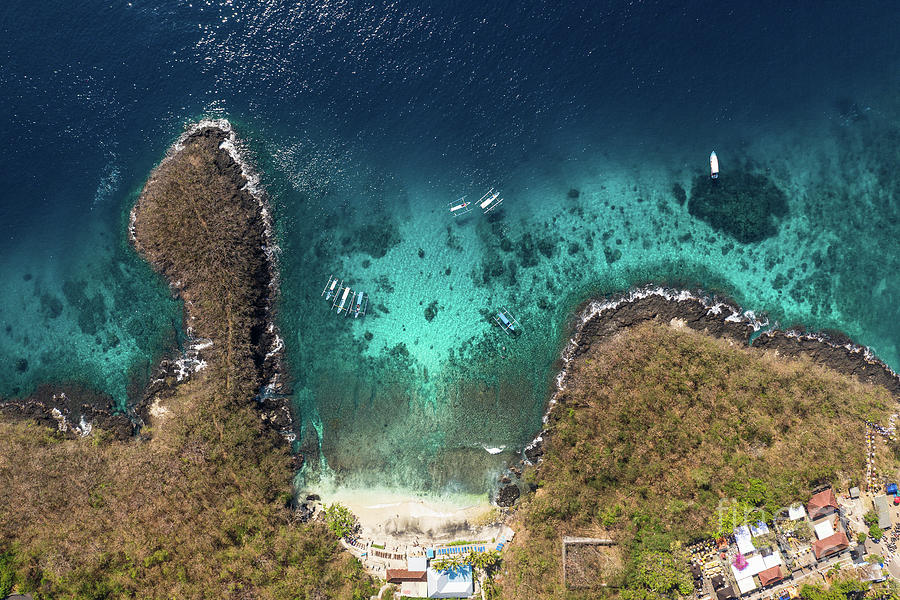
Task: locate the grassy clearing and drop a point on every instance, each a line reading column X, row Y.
column 657, row 427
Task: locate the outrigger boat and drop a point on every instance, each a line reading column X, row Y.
column 330, row 287
column 490, row 201
column 460, row 207
column 507, row 322
column 362, row 303
column 342, row 305
column 344, row 299
column 713, row 165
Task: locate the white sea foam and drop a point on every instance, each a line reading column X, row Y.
column 191, row 362
column 84, row 426
column 108, row 184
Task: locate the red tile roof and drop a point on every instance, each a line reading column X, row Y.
column 830, row 545
column 821, row 504
column 770, row 576
column 400, row 575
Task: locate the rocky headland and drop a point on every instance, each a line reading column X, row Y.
column 601, row 319
column 202, row 223
column 200, row 502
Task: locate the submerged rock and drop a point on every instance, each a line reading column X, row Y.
column 679, row 194
column 508, row 495
column 744, row 205
column 431, row 311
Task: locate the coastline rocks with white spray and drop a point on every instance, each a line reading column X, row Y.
column 835, row 351
column 71, row 409
column 603, row 318
column 158, row 224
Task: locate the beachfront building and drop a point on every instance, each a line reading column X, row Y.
column 455, row 583
column 413, row 580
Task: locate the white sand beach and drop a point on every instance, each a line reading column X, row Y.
column 400, row 518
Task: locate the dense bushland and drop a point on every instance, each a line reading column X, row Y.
column 658, row 428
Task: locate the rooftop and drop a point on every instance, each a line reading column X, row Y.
column 456, row 583
column 830, row 545
column 770, row 576
column 821, row 504
column 400, row 575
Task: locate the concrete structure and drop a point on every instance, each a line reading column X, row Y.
column 795, row 513
column 746, row 585
column 572, row 541
column 883, row 509
column 824, row 529
column 414, row 589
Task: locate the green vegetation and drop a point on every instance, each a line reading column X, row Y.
column 840, row 590
column 658, row 574
column 341, row 521
column 875, row 532
column 198, row 506
column 7, row 573
column 480, row 561
column 666, row 436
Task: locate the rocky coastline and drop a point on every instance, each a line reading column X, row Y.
column 74, row 410
column 246, row 231
column 601, row 319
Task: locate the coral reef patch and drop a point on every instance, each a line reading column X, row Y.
column 744, row 205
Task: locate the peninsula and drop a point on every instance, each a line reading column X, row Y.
column 199, row 503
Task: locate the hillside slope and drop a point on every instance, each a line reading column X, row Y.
column 656, row 426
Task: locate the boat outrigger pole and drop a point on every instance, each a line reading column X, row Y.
column 344, row 299
column 460, row 207
column 330, row 287
column 490, row 201
column 507, row 322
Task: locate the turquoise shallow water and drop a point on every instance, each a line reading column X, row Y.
column 365, row 122
column 422, row 400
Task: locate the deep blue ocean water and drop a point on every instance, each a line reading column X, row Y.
column 365, row 120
